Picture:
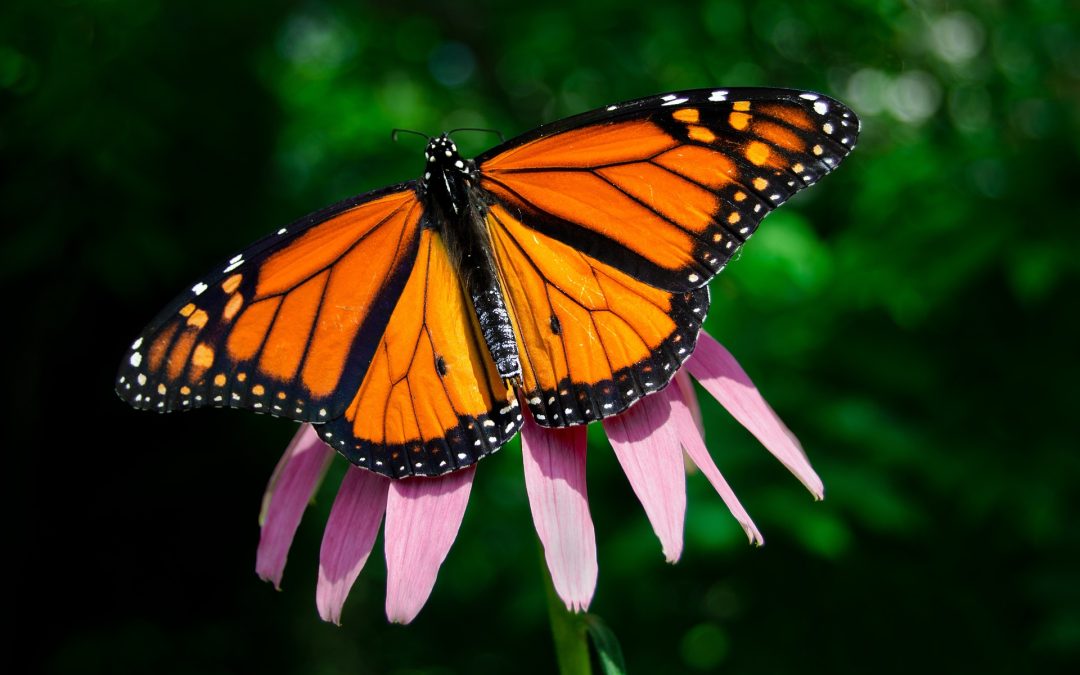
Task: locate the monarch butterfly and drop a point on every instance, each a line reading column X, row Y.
column 568, row 266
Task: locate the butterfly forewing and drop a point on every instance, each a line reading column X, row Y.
column 288, row 326
column 667, row 188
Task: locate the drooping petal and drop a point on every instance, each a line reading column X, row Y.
column 347, row 540
column 555, row 481
column 689, row 396
column 716, row 369
column 687, row 431
column 291, row 486
column 648, row 450
column 423, row 516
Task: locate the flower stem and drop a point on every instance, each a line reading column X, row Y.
column 569, row 630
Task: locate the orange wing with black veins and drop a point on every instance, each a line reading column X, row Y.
column 290, row 325
column 608, row 225
column 432, row 400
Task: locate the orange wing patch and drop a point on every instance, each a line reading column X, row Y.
column 585, row 147
column 669, row 192
column 432, row 400
column 297, row 314
column 592, row 339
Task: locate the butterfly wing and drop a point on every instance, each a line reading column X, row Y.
column 289, row 325
column 432, row 400
column 592, row 339
column 662, row 191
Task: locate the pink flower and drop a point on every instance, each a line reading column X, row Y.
column 423, row 515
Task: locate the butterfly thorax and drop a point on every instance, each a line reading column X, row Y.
column 447, row 188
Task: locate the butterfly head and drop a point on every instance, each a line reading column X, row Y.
column 446, row 174
column 442, row 157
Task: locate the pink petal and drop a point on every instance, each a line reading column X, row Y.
column 716, row 369
column 422, row 520
column 687, row 431
column 350, row 533
column 555, row 480
column 688, row 396
column 294, row 481
column 648, row 450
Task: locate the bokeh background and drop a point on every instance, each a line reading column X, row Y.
column 913, row 319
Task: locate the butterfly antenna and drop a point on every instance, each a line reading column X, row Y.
column 488, row 131
column 395, row 132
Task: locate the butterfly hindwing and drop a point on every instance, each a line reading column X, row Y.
column 592, row 339
column 432, row 400
column 668, row 188
column 289, row 325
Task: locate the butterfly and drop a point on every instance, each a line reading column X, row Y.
column 566, row 268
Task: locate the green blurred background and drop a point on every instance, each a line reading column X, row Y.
column 913, row 319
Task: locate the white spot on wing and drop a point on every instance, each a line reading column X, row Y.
column 821, row 107
column 677, row 101
column 809, row 97
column 198, row 288
column 136, row 359
column 136, row 344
column 718, row 95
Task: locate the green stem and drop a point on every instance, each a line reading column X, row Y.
column 568, row 629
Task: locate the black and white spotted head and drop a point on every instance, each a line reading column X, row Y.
column 442, row 161
column 447, row 175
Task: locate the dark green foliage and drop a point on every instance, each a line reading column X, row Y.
column 913, row 319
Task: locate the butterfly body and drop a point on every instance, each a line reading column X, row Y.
column 449, row 191
column 565, row 268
